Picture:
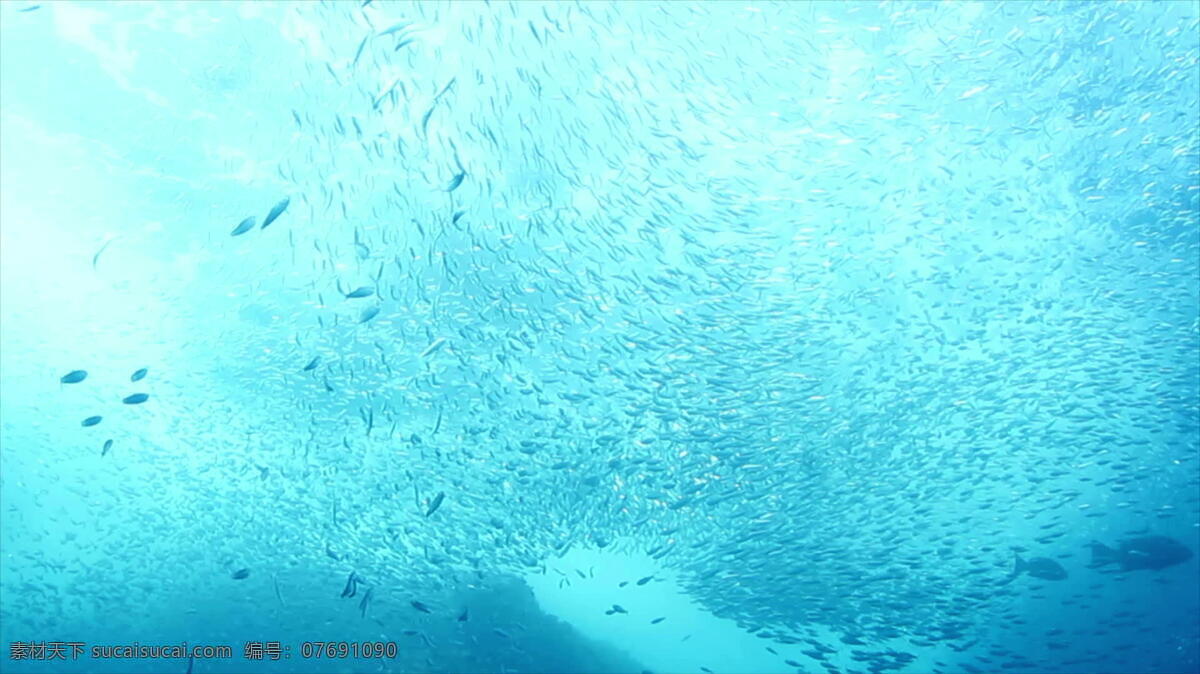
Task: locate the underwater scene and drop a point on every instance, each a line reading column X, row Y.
column 724, row 337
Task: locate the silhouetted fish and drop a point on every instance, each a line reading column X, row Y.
column 1038, row 567
column 138, row 374
column 1146, row 552
column 74, row 377
column 245, row 226
column 437, row 503
column 276, row 211
column 367, row 314
column 351, row 588
column 96, row 257
column 366, row 601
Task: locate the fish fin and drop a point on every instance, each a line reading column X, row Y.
column 1102, row 554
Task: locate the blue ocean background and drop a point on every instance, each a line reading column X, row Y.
column 791, row 324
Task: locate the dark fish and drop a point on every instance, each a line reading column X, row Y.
column 1038, row 567
column 358, row 53
column 247, row 225
column 618, row 609
column 312, row 364
column 241, row 574
column 276, row 211
column 397, row 27
column 464, row 617
column 30, row 8
column 107, row 446
column 420, row 607
column 643, row 581
column 138, row 375
column 361, row 291
column 136, row 398
column 91, row 421
column 351, row 588
column 74, row 377
column 456, row 181
column 1145, row 552
column 367, row 314
column 437, row 503
column 425, row 118
column 657, row 620
column 457, row 215
column 366, row 600
column 96, row 257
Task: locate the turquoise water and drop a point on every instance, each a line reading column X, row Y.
column 675, row 337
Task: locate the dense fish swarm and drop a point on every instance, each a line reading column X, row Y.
column 863, row 321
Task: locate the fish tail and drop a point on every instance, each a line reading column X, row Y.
column 1102, row 554
column 1018, row 567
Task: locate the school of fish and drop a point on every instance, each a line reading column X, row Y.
column 806, row 303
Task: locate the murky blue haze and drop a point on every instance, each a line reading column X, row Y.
column 837, row 338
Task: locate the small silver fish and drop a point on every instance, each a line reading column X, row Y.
column 432, row 348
